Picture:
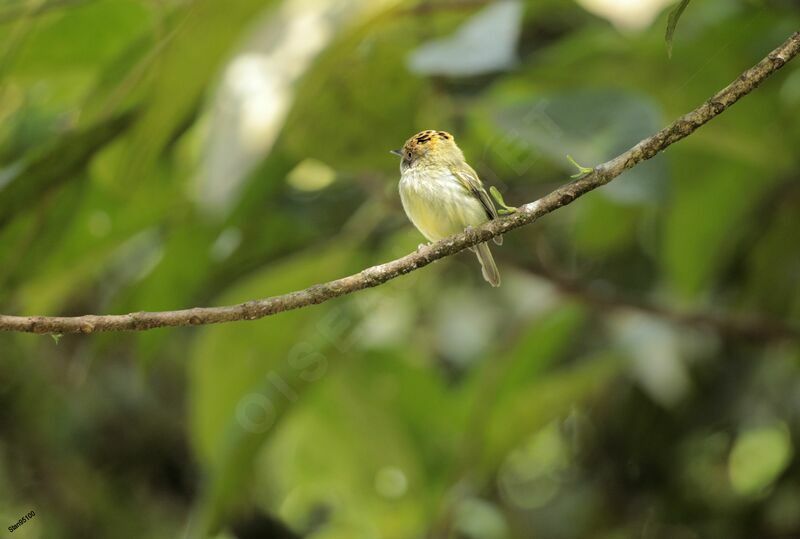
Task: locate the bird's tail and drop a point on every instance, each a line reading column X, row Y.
column 488, row 266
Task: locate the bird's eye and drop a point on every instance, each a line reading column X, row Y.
column 408, row 156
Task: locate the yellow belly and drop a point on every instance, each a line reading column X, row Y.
column 439, row 206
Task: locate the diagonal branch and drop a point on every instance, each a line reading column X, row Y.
column 748, row 327
column 376, row 275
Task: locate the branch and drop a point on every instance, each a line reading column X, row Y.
column 750, row 327
column 376, row 275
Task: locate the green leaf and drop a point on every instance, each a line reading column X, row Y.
column 498, row 198
column 758, row 457
column 582, row 171
column 672, row 22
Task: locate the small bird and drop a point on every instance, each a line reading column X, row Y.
column 442, row 195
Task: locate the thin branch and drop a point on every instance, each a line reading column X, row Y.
column 376, row 275
column 750, row 327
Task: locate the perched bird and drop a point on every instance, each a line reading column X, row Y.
column 442, row 195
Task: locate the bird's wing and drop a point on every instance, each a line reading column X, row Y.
column 469, row 179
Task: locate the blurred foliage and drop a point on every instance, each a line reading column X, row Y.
column 672, row 23
column 431, row 406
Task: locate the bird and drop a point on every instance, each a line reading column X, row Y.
column 442, row 195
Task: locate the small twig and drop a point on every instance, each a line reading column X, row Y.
column 376, row 275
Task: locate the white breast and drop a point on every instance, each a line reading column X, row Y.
column 438, row 204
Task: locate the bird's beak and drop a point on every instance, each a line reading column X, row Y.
column 398, row 153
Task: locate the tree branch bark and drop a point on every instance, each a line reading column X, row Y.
column 376, row 275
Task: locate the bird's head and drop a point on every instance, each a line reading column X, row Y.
column 429, row 148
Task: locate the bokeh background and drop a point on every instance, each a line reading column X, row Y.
column 637, row 375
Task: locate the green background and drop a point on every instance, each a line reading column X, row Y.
column 161, row 154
